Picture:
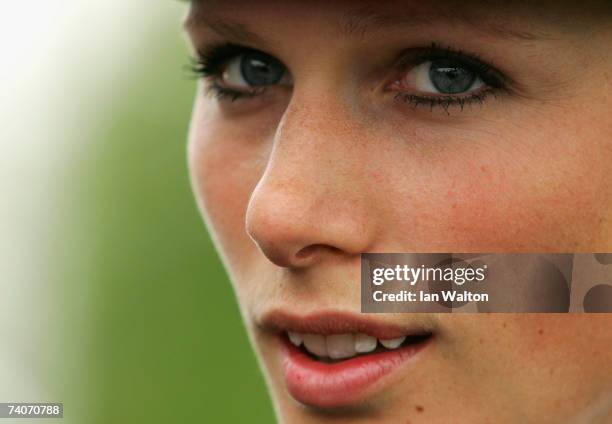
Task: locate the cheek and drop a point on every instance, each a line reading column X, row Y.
column 521, row 353
column 540, row 191
column 517, row 203
column 226, row 160
column 566, row 348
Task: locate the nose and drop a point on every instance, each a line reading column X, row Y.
column 308, row 206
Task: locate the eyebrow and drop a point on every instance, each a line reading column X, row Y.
column 232, row 30
column 359, row 22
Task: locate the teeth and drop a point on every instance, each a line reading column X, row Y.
column 392, row 343
column 340, row 346
column 315, row 343
column 364, row 343
column 295, row 338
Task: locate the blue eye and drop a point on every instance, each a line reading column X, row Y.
column 259, row 69
column 443, row 77
column 253, row 69
column 450, row 77
column 235, row 71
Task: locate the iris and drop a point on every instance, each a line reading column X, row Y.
column 450, row 77
column 260, row 69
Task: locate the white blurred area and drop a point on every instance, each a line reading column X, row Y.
column 60, row 62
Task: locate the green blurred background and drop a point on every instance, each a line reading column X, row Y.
column 148, row 327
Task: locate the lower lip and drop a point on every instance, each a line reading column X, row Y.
column 344, row 383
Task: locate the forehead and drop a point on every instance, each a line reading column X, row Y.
column 519, row 18
column 379, row 11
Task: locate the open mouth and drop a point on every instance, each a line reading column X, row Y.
column 335, row 348
column 332, row 360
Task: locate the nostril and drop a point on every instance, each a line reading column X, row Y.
column 309, row 251
column 306, row 252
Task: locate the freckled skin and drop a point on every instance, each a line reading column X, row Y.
column 297, row 183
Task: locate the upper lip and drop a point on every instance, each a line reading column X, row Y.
column 334, row 322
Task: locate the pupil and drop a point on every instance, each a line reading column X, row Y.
column 259, row 69
column 450, row 77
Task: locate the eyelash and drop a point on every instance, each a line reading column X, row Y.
column 445, row 102
column 208, row 64
column 210, row 61
column 224, row 93
column 494, row 79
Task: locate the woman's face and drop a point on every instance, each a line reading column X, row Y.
column 324, row 129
